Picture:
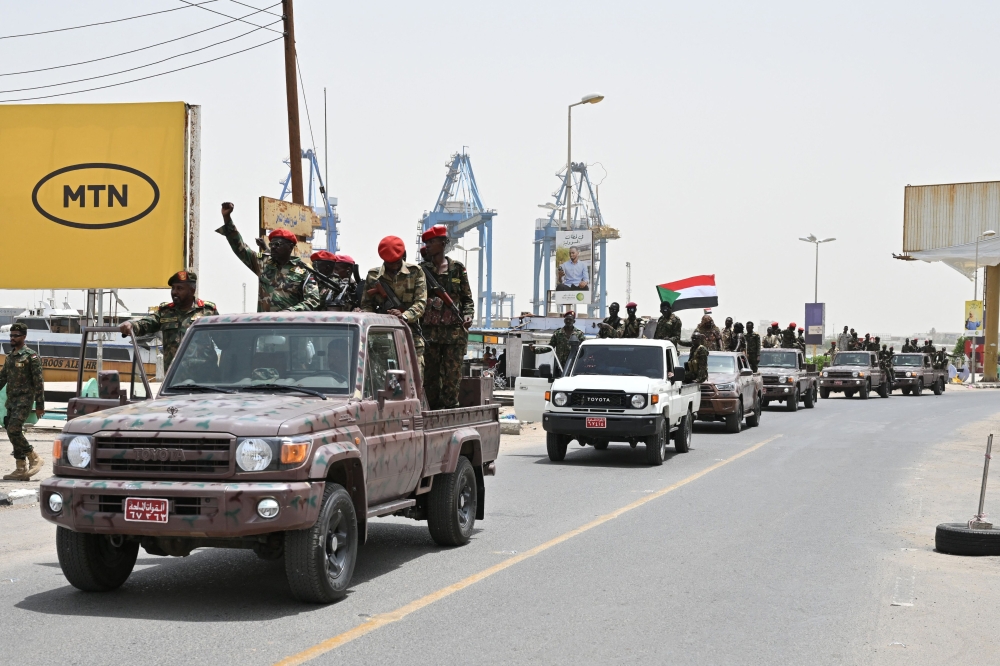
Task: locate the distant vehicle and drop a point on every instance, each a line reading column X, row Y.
column 915, row 372
column 788, row 378
column 733, row 392
column 854, row 372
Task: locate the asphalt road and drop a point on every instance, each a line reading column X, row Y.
column 788, row 543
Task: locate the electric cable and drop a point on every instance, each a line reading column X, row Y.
column 91, row 25
column 262, row 10
column 132, row 69
column 143, row 78
column 116, row 55
column 193, row 4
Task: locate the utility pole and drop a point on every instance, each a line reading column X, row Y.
column 292, row 93
column 628, row 281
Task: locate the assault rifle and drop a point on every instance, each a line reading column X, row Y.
column 390, row 301
column 434, row 286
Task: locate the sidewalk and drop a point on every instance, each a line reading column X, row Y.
column 41, row 439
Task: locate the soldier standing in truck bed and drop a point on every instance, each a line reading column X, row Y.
column 446, row 334
column 788, row 337
column 611, row 327
column 753, row 346
column 668, row 326
column 800, row 341
column 284, row 283
column 339, row 292
column 561, row 339
column 632, row 326
column 772, row 340
column 696, row 369
column 727, row 335
column 22, row 375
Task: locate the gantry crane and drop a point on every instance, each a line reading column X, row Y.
column 316, row 198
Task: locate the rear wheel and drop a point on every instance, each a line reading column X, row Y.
column 735, row 420
column 810, row 398
column 452, row 504
column 906, row 390
column 919, row 390
column 682, row 436
column 793, row 403
column 656, row 446
column 824, row 393
column 319, row 560
column 764, row 403
column 883, row 389
column 601, row 444
column 849, row 393
column 939, row 386
column 556, row 445
column 753, row 418
column 95, row 562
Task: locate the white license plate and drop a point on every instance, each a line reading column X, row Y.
column 597, row 422
column 146, row 510
column 838, row 382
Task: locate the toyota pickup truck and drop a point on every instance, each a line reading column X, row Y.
column 788, row 379
column 854, row 372
column 621, row 391
column 733, row 391
column 284, row 433
column 915, row 372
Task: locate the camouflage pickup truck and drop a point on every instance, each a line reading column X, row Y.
column 788, row 378
column 916, row 371
column 285, row 433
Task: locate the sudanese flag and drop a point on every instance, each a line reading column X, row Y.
column 691, row 293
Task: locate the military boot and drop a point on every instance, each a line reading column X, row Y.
column 34, row 465
column 19, row 473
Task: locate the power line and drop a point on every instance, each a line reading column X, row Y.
column 91, row 25
column 263, row 10
column 187, row 2
column 305, row 101
column 132, row 69
column 116, row 55
column 143, row 78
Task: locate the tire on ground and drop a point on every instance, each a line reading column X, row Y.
column 682, row 436
column 824, row 393
column 91, row 563
column 735, row 420
column 556, row 446
column 753, row 418
column 319, row 560
column 959, row 539
column 452, row 504
column 793, row 403
column 656, row 446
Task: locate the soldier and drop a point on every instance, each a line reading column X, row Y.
column 800, row 341
column 844, row 340
column 833, row 349
column 713, row 336
column 853, row 344
column 773, row 340
column 611, row 327
column 172, row 319
column 445, row 330
column 788, row 337
column 737, row 341
column 632, row 326
column 942, row 358
column 928, row 347
column 285, row 282
column 406, row 282
column 563, row 336
column 753, row 344
column 337, row 291
column 696, row 369
column 668, row 326
column 22, row 375
column 877, row 344
column 906, row 346
column 727, row 335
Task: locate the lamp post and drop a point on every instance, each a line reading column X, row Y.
column 587, row 99
column 815, row 241
column 989, row 233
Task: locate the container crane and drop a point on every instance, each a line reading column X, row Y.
column 316, row 198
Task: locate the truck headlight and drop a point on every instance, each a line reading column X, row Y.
column 826, row 373
column 725, row 387
column 79, row 451
column 253, row 455
column 560, row 399
column 638, row 401
column 854, row 374
column 909, row 374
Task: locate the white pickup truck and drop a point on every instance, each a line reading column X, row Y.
column 615, row 390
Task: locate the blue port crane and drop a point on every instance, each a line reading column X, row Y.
column 460, row 209
column 585, row 213
column 317, row 198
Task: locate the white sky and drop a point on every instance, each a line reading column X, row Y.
column 728, row 131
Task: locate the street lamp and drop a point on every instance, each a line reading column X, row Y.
column 989, row 233
column 812, row 239
column 587, row 99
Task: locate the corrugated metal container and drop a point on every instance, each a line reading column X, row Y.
column 939, row 216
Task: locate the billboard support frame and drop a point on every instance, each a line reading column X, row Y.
column 192, row 150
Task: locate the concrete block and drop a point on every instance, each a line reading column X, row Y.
column 22, row 496
column 510, row 427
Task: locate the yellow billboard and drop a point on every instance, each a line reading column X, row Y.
column 93, row 195
column 973, row 318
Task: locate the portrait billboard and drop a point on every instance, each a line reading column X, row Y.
column 574, row 267
column 973, row 318
column 97, row 195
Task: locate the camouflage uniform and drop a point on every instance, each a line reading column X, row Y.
column 560, row 342
column 668, row 328
column 713, row 337
column 697, row 365
column 631, row 328
column 727, row 339
column 410, row 287
column 787, row 339
column 327, row 295
column 617, row 325
column 172, row 324
column 22, row 375
column 800, row 343
column 287, row 287
column 753, row 349
column 446, row 336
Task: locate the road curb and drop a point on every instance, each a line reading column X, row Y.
column 17, row 497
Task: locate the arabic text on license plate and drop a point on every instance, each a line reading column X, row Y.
column 146, row 510
column 597, row 422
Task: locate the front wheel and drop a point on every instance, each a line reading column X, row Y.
column 656, row 446
column 865, row 390
column 319, row 560
column 735, row 420
column 824, row 393
column 95, row 562
column 883, row 389
column 682, row 436
column 919, row 390
column 452, row 504
column 939, row 386
column 753, row 419
column 810, row 399
column 793, row 402
column 556, row 445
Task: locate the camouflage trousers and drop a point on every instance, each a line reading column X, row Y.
column 443, row 374
column 18, row 410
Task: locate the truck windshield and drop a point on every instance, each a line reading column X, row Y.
column 637, row 361
column 908, row 359
column 726, row 364
column 778, row 359
column 851, row 358
column 319, row 357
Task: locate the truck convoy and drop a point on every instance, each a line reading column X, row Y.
column 788, row 379
column 854, row 372
column 733, row 391
column 915, row 372
column 284, row 433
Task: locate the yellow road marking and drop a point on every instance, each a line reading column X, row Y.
column 383, row 619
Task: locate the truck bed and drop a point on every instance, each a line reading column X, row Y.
column 448, row 431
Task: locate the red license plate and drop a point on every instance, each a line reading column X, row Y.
column 838, row 382
column 597, row 422
column 146, row 510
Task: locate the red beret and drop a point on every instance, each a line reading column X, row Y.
column 283, row 233
column 323, row 255
column 774, row 323
column 437, row 231
column 391, row 249
column 631, row 304
column 344, row 259
column 792, row 325
column 801, row 329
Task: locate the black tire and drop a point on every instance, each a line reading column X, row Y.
column 601, row 444
column 452, row 505
column 793, row 403
column 866, row 389
column 753, row 419
column 958, row 539
column 883, row 390
column 809, row 401
column 656, row 446
column 906, row 390
column 849, row 393
column 919, row 388
column 682, row 436
column 734, row 421
column 556, row 445
column 319, row 560
column 939, row 386
column 764, row 403
column 92, row 563
column 824, row 393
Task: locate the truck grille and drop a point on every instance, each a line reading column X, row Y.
column 179, row 506
column 840, row 374
column 208, row 456
column 707, row 388
column 599, row 399
column 771, row 379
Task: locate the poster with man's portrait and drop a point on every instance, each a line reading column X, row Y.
column 574, row 267
column 973, row 318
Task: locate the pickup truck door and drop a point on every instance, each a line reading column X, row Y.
column 746, row 383
column 529, row 393
column 395, row 451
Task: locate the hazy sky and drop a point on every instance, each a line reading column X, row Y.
column 728, row 131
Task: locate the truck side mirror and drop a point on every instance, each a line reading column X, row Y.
column 746, row 372
column 545, row 370
column 677, row 375
column 394, row 380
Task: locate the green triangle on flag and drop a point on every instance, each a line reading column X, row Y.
column 667, row 296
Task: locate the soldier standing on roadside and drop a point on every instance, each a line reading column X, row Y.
column 284, row 283
column 22, row 375
column 563, row 336
column 727, row 335
column 632, row 326
column 753, row 346
column 172, row 319
column 696, row 369
column 446, row 334
column 406, row 281
column 668, row 327
column 611, row 327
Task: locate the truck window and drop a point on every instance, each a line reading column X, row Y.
column 619, row 360
column 777, row 359
column 382, row 357
column 669, row 359
column 906, row 359
column 850, row 358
